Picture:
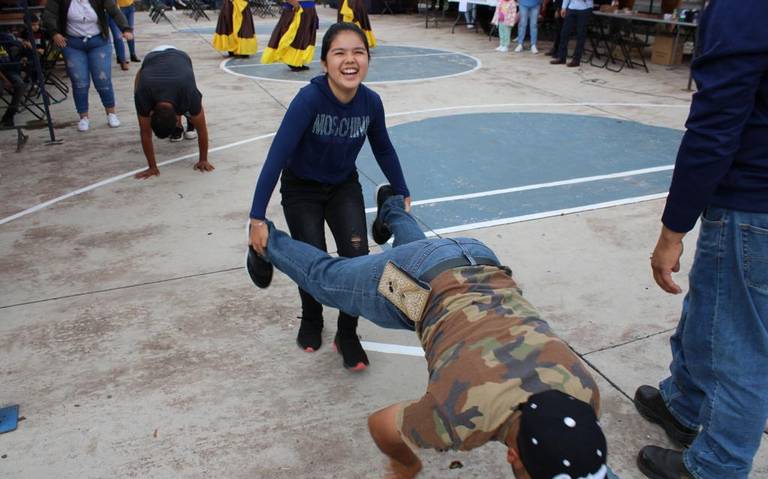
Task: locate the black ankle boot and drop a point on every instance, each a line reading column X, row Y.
column 353, row 356
column 310, row 336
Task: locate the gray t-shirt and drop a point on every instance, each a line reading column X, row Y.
column 167, row 76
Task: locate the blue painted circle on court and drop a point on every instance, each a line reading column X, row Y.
column 389, row 63
column 495, row 168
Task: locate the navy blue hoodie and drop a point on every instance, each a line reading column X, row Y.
column 320, row 138
column 723, row 158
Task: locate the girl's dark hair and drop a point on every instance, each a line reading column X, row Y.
column 337, row 28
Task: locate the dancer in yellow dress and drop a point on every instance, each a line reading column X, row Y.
column 293, row 39
column 354, row 11
column 234, row 31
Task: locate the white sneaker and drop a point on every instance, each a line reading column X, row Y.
column 503, row 49
column 534, row 50
column 519, row 48
column 83, row 124
column 470, row 26
column 190, row 135
column 498, row 49
column 112, row 120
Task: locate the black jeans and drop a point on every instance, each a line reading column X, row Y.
column 578, row 19
column 556, row 36
column 307, row 206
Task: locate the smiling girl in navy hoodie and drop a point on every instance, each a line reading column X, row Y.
column 315, row 149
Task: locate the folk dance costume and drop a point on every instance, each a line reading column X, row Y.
column 293, row 39
column 234, row 31
column 354, row 11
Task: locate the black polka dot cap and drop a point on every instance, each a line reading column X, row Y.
column 560, row 438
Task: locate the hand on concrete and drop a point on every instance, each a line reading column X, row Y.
column 259, row 236
column 148, row 173
column 397, row 470
column 203, row 166
column 665, row 259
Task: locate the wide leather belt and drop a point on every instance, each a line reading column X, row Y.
column 457, row 262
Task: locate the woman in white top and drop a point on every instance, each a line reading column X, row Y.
column 80, row 29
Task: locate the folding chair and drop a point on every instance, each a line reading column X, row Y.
column 157, row 12
column 262, row 8
column 196, row 10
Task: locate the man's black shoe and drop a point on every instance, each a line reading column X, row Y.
column 310, row 336
column 659, row 463
column 557, row 61
column 380, row 231
column 259, row 269
column 135, row 59
column 650, row 405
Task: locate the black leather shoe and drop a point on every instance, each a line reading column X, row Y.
column 259, row 269
column 380, row 231
column 557, row 61
column 650, row 405
column 659, row 463
column 573, row 64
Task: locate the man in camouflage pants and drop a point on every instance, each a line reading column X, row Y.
column 496, row 370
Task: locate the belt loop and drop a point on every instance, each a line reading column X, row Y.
column 466, row 254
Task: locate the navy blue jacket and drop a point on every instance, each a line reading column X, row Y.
column 320, row 138
column 723, row 158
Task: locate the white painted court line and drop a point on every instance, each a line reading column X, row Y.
column 572, row 181
column 113, row 179
column 544, row 104
column 122, row 176
column 547, row 214
column 393, row 349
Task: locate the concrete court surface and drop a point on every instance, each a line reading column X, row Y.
column 136, row 347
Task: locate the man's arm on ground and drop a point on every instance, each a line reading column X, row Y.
column 403, row 463
column 198, row 121
column 145, row 130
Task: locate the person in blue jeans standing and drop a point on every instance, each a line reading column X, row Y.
column 126, row 6
column 576, row 15
column 79, row 28
column 529, row 15
column 715, row 401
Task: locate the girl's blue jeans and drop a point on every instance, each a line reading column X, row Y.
column 117, row 34
column 90, row 58
column 351, row 284
column 719, row 379
column 528, row 15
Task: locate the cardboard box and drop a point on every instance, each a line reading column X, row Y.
column 662, row 54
